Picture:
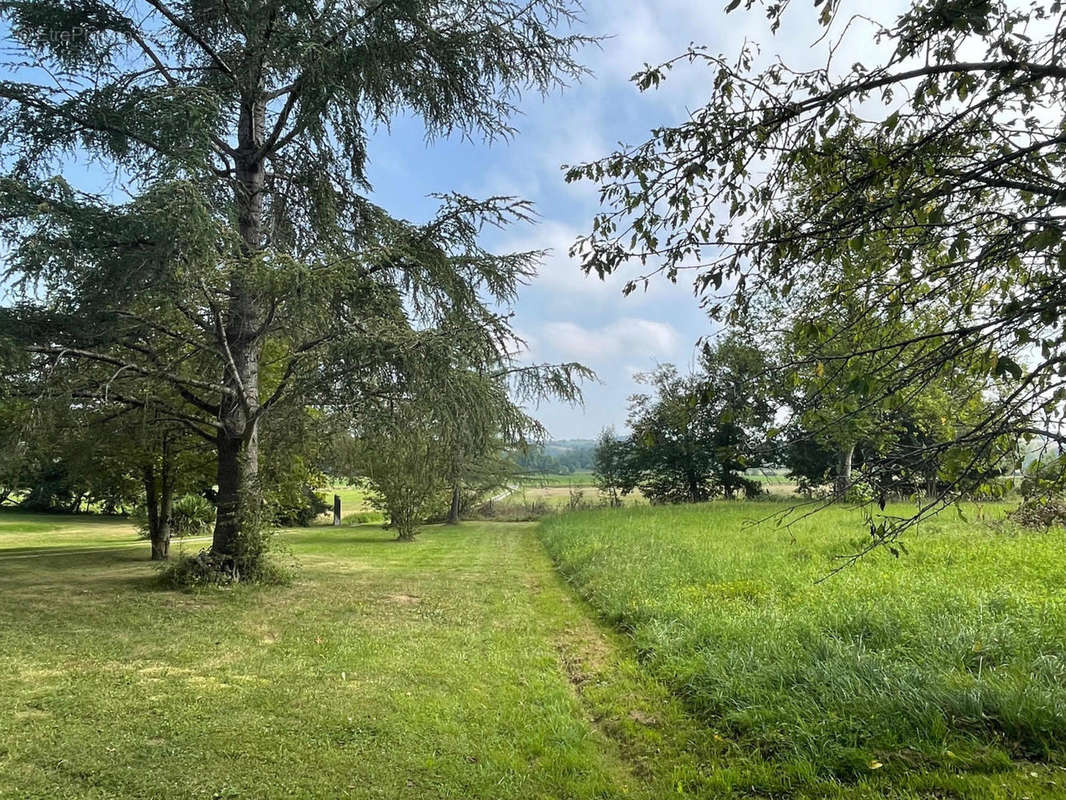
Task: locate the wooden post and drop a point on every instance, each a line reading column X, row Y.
column 336, row 509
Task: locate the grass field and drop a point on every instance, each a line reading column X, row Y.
column 459, row 666
column 577, row 479
column 463, row 666
column 942, row 674
column 556, row 498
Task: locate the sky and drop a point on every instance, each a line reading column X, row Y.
column 564, row 315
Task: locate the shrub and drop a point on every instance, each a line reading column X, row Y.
column 1043, row 495
column 1041, row 512
column 299, row 511
column 249, row 563
column 192, row 515
column 206, row 570
column 363, row 518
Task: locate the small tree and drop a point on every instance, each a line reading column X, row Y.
column 609, row 464
column 405, row 466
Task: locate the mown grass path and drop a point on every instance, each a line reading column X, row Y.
column 459, row 666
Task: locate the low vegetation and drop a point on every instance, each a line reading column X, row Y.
column 459, row 666
column 943, row 672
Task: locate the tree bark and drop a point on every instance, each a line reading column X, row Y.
column 241, row 343
column 843, row 478
column 453, row 511
column 159, row 500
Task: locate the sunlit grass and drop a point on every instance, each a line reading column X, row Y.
column 950, row 659
column 459, row 666
column 23, row 530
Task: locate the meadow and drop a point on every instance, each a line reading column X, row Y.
column 941, row 672
column 579, row 478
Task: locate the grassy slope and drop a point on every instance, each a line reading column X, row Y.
column 576, row 479
column 459, row 666
column 919, row 677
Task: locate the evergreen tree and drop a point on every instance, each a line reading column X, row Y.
column 246, row 269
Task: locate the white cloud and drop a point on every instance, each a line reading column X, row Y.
column 628, row 337
column 559, row 274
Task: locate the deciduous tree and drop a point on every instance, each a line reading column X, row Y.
column 946, row 154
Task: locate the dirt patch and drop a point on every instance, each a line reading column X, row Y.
column 403, row 599
column 584, row 653
column 649, row 720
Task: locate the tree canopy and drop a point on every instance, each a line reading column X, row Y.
column 944, row 158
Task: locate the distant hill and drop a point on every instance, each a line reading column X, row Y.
column 569, row 445
column 558, row 457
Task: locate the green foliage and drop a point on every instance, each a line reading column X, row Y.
column 191, row 515
column 1043, row 494
column 693, row 438
column 609, row 465
column 206, row 570
column 244, row 272
column 917, row 189
column 556, row 457
column 949, row 658
column 363, row 518
column 403, row 460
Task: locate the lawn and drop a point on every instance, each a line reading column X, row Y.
column 29, row 533
column 940, row 674
column 459, row 666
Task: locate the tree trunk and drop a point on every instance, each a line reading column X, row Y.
column 843, row 478
column 694, row 488
column 453, row 511
column 241, row 343
column 238, row 472
column 161, row 543
column 159, row 500
column 931, row 485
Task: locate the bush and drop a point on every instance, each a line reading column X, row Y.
column 363, row 518
column 1041, row 512
column 251, row 561
column 1043, row 495
column 206, row 570
column 192, row 515
column 301, row 510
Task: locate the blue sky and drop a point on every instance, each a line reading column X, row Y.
column 563, row 314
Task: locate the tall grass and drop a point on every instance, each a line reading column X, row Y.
column 952, row 656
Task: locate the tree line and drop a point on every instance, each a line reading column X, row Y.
column 694, row 436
